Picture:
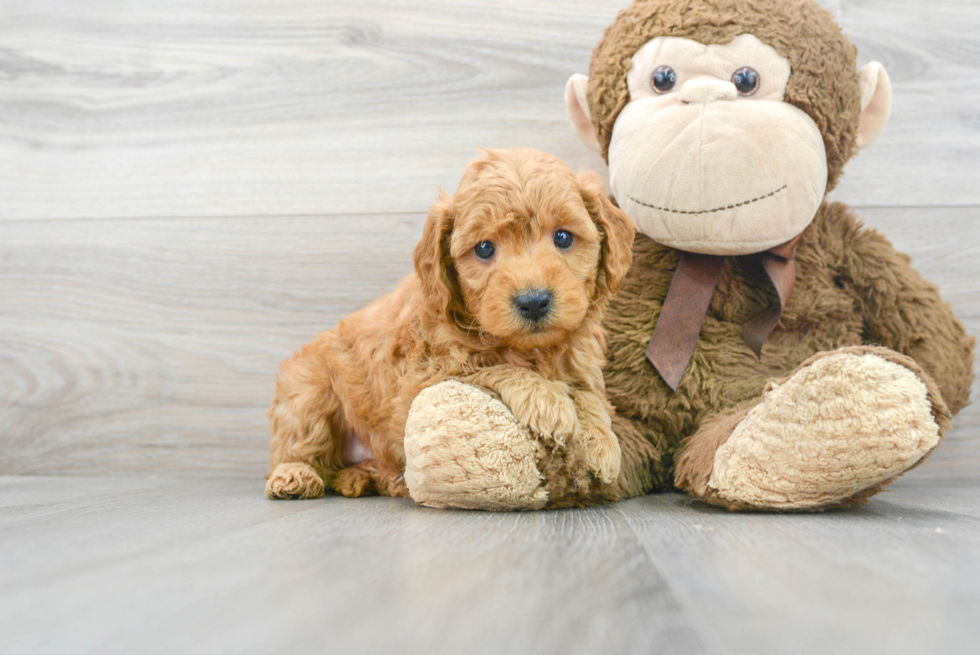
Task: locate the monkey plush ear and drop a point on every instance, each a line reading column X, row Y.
column 876, row 102
column 577, row 106
column 433, row 264
column 615, row 228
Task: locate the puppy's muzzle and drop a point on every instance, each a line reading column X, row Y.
column 533, row 305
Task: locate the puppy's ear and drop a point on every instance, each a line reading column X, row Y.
column 615, row 228
column 433, row 263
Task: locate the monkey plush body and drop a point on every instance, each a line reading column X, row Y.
column 832, row 394
column 766, row 351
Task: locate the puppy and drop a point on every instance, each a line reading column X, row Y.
column 511, row 277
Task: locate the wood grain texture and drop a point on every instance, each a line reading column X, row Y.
column 152, row 345
column 238, row 573
column 141, row 565
column 289, row 107
column 888, row 578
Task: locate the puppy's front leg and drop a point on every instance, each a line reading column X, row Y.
column 603, row 455
column 543, row 405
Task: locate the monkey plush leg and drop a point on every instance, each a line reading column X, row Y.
column 465, row 449
column 832, row 434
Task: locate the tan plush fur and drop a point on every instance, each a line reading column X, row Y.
column 824, row 81
column 455, row 318
column 489, row 460
column 686, row 165
column 807, row 445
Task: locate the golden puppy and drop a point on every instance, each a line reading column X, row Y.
column 511, row 277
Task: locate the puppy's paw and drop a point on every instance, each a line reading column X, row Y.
column 292, row 480
column 369, row 478
column 548, row 410
column 603, row 455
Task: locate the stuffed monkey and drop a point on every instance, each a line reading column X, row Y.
column 766, row 351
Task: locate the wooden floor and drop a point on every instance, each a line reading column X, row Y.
column 190, row 190
column 144, row 565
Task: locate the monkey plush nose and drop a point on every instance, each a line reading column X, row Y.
column 703, row 91
column 533, row 305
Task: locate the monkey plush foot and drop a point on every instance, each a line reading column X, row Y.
column 465, row 449
column 832, row 434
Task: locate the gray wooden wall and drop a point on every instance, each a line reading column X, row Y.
column 190, row 190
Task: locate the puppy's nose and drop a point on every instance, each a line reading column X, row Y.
column 533, row 305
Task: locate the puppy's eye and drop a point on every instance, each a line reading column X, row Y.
column 563, row 239
column 663, row 79
column 746, row 81
column 484, row 250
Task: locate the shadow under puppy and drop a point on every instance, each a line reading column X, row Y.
column 511, row 276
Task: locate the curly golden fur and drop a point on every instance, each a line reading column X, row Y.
column 456, row 317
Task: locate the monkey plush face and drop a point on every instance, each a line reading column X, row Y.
column 718, row 142
column 707, row 157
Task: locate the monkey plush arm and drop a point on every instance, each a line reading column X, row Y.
column 903, row 311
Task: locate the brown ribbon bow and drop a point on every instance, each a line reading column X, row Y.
column 686, row 307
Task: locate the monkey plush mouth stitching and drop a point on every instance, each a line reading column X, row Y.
column 708, row 211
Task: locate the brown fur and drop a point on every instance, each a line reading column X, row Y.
column 852, row 289
column 454, row 318
column 696, row 456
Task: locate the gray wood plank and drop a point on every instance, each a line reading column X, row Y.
column 152, row 345
column 899, row 575
column 21, row 498
column 155, row 566
column 212, row 566
column 926, row 48
column 142, row 109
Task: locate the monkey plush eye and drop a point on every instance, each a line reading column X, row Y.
column 484, row 250
column 663, row 79
column 746, row 81
column 563, row 239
